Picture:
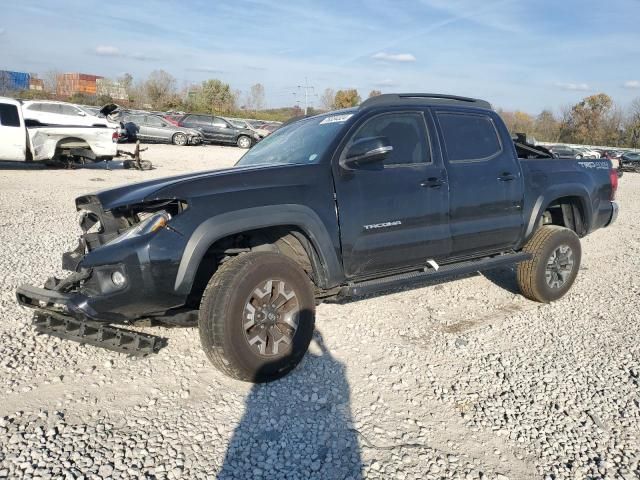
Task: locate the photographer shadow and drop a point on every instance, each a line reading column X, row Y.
column 299, row 426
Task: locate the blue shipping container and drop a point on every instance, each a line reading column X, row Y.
column 14, row 80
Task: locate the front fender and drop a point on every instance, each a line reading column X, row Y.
column 220, row 226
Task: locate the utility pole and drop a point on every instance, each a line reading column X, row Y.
column 307, row 88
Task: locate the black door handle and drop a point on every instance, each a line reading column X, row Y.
column 432, row 182
column 506, row 177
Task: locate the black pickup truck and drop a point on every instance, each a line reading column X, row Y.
column 405, row 188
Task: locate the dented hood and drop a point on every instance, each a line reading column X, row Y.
column 152, row 189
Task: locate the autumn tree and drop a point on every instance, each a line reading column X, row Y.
column 256, row 97
column 347, row 98
column 632, row 125
column 588, row 119
column 328, row 98
column 159, row 88
column 546, row 127
column 374, row 93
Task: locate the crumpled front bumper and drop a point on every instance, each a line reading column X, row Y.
column 69, row 304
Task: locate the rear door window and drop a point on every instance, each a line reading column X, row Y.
column 154, row 121
column 220, row 123
column 469, row 137
column 51, row 108
column 9, row 115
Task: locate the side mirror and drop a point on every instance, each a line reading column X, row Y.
column 81, row 113
column 366, row 151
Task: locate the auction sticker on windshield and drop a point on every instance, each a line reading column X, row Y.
column 337, row 118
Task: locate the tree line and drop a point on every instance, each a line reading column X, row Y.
column 595, row 120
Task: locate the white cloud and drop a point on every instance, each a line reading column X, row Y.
column 394, row 57
column 631, row 84
column 111, row 51
column 107, row 51
column 387, row 82
column 576, row 87
column 205, row 70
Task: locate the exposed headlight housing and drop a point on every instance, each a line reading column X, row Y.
column 149, row 223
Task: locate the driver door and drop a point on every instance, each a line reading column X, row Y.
column 393, row 213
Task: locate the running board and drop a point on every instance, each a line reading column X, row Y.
column 97, row 334
column 409, row 278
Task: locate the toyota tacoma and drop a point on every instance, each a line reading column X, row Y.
column 403, row 189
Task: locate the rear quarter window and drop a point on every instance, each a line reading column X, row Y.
column 469, row 137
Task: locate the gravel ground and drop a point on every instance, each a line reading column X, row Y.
column 461, row 380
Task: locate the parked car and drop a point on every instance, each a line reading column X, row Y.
column 239, row 123
column 153, row 128
column 60, row 113
column 630, row 161
column 20, row 141
column 562, row 151
column 218, row 130
column 338, row 205
column 585, row 152
column 173, row 119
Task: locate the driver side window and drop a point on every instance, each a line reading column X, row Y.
column 406, row 132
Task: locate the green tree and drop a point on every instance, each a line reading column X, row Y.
column 347, row 98
column 214, row 96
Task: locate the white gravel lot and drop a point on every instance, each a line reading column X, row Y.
column 461, row 380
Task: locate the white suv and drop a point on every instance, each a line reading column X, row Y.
column 61, row 113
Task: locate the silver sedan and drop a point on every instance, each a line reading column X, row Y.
column 153, row 128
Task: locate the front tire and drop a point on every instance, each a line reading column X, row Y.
column 244, row 141
column 257, row 316
column 554, row 266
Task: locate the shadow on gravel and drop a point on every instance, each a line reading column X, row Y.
column 299, row 426
column 504, row 277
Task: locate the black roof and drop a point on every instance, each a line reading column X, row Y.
column 390, row 99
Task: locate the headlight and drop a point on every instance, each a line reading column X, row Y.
column 152, row 223
column 256, row 136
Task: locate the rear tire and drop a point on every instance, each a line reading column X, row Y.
column 241, row 337
column 180, row 139
column 556, row 260
column 244, row 141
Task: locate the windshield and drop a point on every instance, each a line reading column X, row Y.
column 302, row 142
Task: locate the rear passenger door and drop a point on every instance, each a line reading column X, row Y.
column 224, row 132
column 202, row 123
column 485, row 182
column 393, row 214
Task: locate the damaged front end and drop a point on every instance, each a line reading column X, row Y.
column 113, row 279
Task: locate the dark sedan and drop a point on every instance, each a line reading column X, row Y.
column 218, row 130
column 630, row 161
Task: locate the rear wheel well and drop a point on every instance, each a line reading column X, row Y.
column 289, row 240
column 566, row 212
column 65, row 145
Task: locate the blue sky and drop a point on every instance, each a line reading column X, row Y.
column 520, row 54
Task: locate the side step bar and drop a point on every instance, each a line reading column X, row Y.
column 418, row 276
column 97, row 334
